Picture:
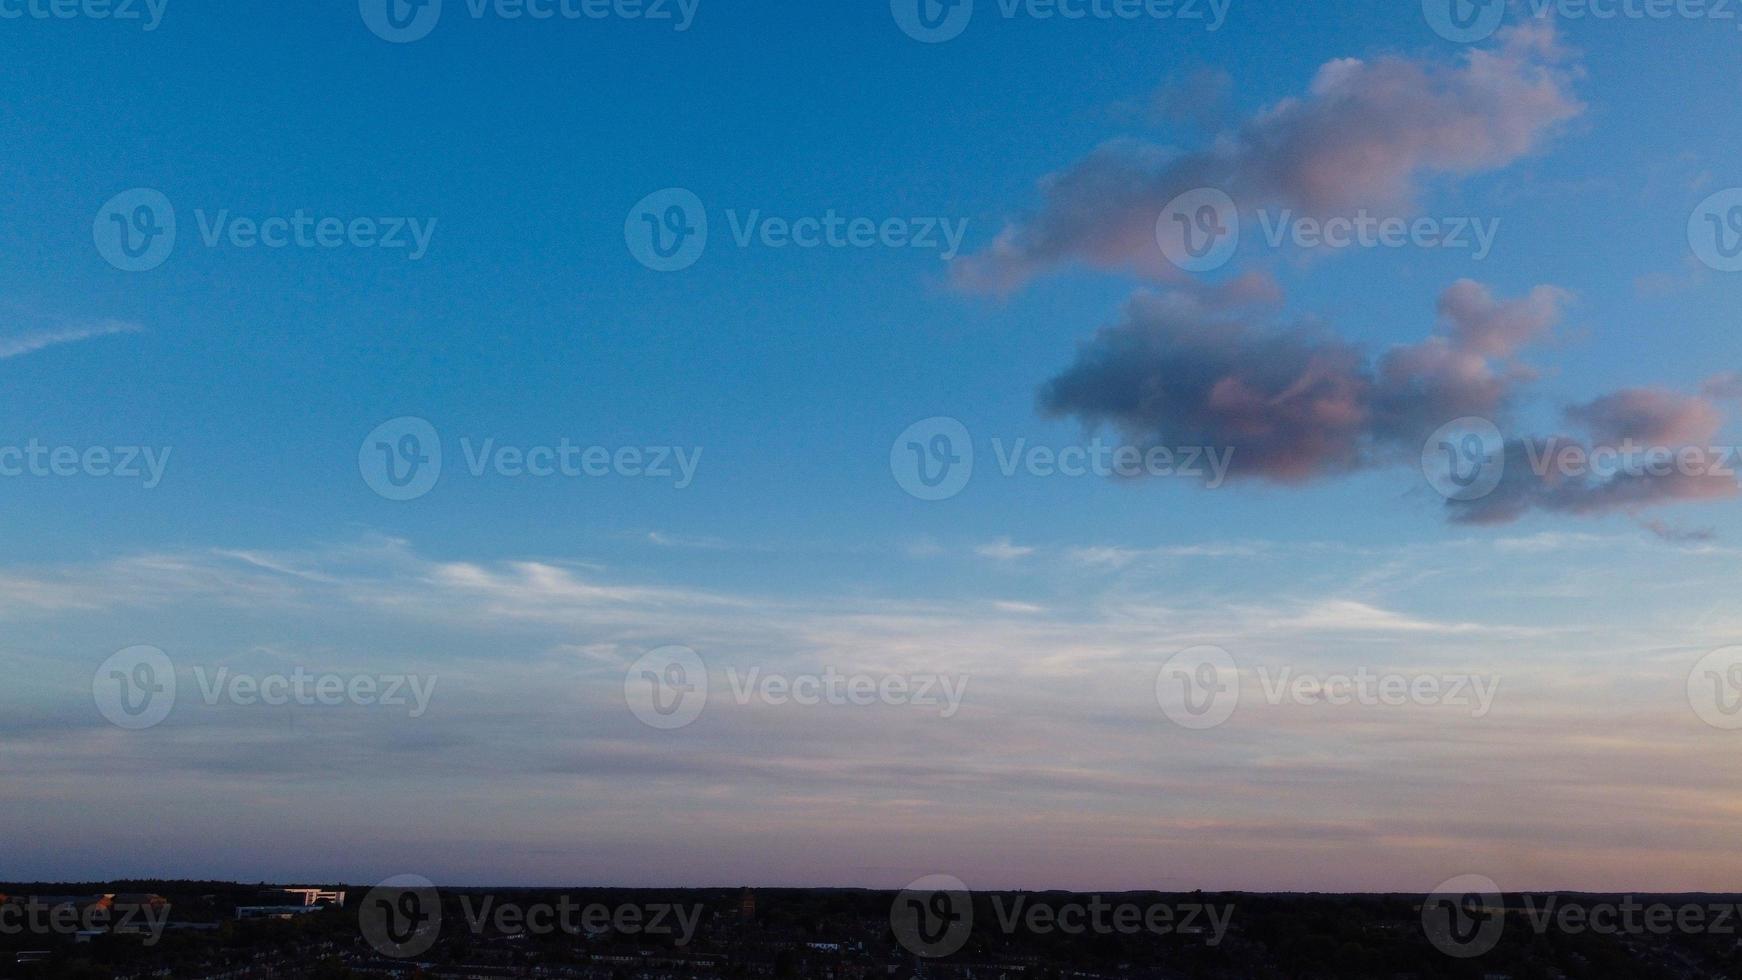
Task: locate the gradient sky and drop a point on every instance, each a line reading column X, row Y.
column 530, row 321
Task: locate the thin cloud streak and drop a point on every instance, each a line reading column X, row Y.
column 18, row 345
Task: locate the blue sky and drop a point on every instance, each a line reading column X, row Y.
column 529, row 321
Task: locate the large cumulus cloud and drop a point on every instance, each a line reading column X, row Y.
column 1363, row 136
column 1297, row 403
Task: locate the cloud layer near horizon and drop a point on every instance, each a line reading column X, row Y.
column 529, row 768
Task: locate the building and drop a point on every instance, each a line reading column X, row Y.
column 314, row 896
column 275, row 911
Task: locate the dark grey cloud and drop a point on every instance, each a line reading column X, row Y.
column 1297, row 403
column 1641, row 448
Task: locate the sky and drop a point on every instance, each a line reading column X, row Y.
column 447, row 230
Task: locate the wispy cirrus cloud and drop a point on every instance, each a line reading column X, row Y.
column 1061, row 727
column 30, row 341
